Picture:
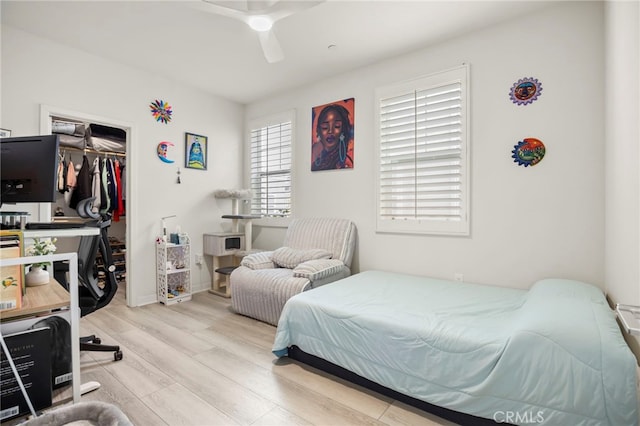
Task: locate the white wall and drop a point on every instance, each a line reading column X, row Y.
column 622, row 254
column 526, row 223
column 36, row 71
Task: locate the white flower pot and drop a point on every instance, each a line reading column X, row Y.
column 36, row 276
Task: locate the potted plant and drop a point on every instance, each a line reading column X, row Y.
column 37, row 275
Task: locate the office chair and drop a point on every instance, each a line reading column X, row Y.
column 91, row 296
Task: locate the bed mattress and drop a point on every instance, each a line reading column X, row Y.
column 552, row 355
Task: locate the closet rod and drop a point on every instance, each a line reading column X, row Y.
column 93, row 151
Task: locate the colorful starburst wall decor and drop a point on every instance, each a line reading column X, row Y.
column 525, row 91
column 528, row 152
column 161, row 111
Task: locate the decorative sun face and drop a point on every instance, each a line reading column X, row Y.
column 161, row 111
column 525, row 91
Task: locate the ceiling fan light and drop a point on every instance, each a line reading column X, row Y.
column 260, row 23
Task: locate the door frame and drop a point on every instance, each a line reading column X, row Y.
column 44, row 209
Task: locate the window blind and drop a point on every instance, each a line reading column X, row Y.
column 422, row 156
column 271, row 169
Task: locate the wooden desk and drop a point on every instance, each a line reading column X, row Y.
column 39, row 300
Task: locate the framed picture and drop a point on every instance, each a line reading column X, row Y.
column 195, row 151
column 332, row 135
column 5, row 133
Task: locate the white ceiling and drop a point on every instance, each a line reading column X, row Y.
column 221, row 55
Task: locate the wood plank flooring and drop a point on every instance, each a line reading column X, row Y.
column 198, row 363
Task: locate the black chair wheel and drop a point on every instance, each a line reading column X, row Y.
column 117, row 356
column 97, row 341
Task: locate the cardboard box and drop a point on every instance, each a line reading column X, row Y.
column 29, row 351
column 11, row 277
column 59, row 349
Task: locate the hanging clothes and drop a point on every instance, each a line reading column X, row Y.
column 71, row 182
column 96, row 186
column 104, row 190
column 62, row 180
column 83, row 187
column 119, row 209
column 111, row 185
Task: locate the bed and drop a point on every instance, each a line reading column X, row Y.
column 552, row 355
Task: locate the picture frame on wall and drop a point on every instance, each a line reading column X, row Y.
column 332, row 135
column 196, row 150
column 5, row 133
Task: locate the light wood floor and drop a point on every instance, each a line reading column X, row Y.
column 198, row 363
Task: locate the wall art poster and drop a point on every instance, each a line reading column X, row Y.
column 525, row 91
column 332, row 135
column 195, row 151
column 528, row 152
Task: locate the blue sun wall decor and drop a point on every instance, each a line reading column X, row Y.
column 528, row 152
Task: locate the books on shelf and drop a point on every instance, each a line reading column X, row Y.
column 11, row 277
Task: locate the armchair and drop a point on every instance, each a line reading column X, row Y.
column 315, row 251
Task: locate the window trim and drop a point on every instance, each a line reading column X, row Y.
column 425, row 226
column 266, row 121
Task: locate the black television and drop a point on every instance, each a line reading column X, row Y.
column 28, row 168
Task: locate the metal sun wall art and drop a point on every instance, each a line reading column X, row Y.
column 528, row 152
column 161, row 111
column 525, row 91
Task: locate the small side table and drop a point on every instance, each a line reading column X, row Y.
column 223, row 266
column 630, row 317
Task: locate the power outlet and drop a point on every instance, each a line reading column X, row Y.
column 198, row 259
column 458, row 276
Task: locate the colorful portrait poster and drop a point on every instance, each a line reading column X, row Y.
column 332, row 135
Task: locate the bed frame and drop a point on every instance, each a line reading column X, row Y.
column 321, row 364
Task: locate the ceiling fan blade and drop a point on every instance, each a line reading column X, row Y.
column 284, row 8
column 259, row 6
column 217, row 9
column 270, row 47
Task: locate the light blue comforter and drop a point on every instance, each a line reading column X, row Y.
column 553, row 355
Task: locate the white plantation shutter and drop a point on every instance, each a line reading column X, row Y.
column 423, row 176
column 271, row 169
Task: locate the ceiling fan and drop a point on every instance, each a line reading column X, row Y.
column 260, row 15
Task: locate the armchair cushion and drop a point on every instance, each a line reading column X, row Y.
column 287, row 257
column 260, row 260
column 318, row 269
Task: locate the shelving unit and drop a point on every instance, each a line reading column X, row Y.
column 118, row 254
column 44, row 299
column 173, row 272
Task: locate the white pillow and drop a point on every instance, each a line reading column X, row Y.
column 317, row 269
column 287, row 257
column 259, row 260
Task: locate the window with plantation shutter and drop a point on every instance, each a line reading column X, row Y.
column 423, row 184
column 270, row 165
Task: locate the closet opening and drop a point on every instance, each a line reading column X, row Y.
column 93, row 163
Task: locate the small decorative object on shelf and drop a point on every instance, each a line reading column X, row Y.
column 37, row 275
column 173, row 270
